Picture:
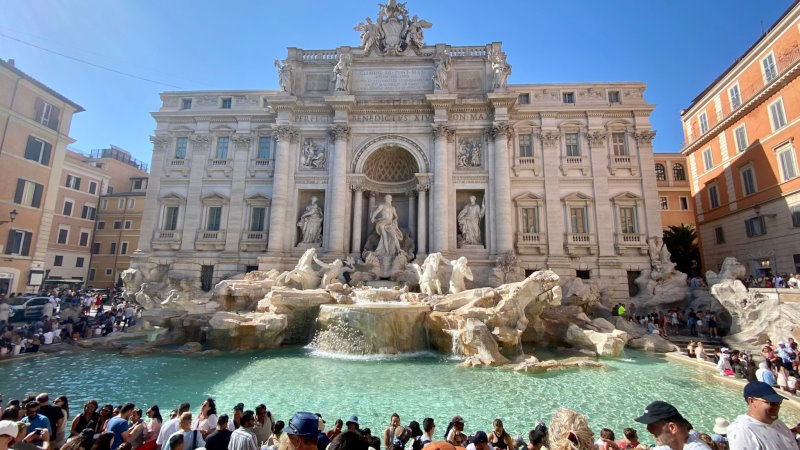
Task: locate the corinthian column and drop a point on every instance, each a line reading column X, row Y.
column 358, row 199
column 441, row 189
column 283, row 137
column 337, row 187
column 422, row 217
column 502, row 190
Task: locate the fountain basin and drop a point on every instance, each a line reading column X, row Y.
column 372, row 328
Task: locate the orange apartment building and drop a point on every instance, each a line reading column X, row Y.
column 674, row 191
column 70, row 242
column 34, row 134
column 119, row 216
column 742, row 155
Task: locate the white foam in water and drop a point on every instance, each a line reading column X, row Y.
column 370, row 357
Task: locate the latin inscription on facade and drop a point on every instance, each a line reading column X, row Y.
column 388, row 80
column 312, row 118
column 466, row 117
column 391, row 118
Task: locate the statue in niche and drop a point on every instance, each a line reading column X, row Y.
column 501, row 71
column 469, row 222
column 440, row 72
column 312, row 156
column 311, row 223
column 371, row 33
column 284, row 76
column 469, row 153
column 385, row 219
column 341, row 73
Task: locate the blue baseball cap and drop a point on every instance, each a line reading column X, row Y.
column 303, row 424
column 764, row 391
column 352, row 419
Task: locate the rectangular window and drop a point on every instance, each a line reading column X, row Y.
column 748, row 181
column 91, row 274
column 788, row 163
column 568, row 97
column 618, row 143
column 735, row 96
column 222, row 147
column 113, row 249
column 63, row 235
column 684, row 203
column 88, row 212
column 186, row 103
column 28, row 193
column 226, row 102
column 713, row 196
column 121, row 203
column 92, row 187
column 703, row 123
column 573, row 149
column 525, row 147
column 755, row 226
column 67, row 210
column 19, row 242
column 777, row 115
column 46, row 114
column 524, row 99
column 101, row 225
column 214, row 218
column 257, row 219
column 127, row 224
column 79, row 262
column 770, row 70
column 578, row 220
column 708, row 159
column 180, row 147
column 530, row 220
column 73, row 182
column 38, row 151
column 123, row 250
column 137, row 185
column 109, row 272
column 109, row 190
column 58, row 261
column 96, row 248
column 264, row 144
column 117, row 224
column 664, row 202
column 741, row 138
column 84, row 241
column 627, row 220
column 796, row 216
column 171, row 218
column 131, row 203
column 719, row 235
column 613, row 97
column 104, row 204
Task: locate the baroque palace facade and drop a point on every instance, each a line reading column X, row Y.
column 561, row 174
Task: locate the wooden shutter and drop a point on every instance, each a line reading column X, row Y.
column 54, row 116
column 32, row 149
column 69, row 178
column 46, row 156
column 37, row 110
column 20, row 191
column 37, row 195
column 26, row 243
column 10, row 242
column 78, row 183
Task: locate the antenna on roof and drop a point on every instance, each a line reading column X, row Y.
column 762, row 26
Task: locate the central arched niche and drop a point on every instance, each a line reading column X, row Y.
column 390, row 165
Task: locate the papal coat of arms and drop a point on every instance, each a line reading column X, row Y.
column 394, row 32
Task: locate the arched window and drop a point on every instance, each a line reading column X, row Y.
column 661, row 174
column 677, row 172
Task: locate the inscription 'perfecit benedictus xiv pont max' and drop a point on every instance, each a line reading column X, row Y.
column 556, row 171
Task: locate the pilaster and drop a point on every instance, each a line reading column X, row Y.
column 501, row 131
column 148, row 224
column 337, row 187
column 442, row 180
column 193, row 215
column 236, row 211
column 278, row 243
column 644, row 143
column 555, row 217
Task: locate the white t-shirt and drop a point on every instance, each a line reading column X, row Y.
column 206, row 425
column 167, row 430
column 694, row 443
column 48, row 338
column 747, row 433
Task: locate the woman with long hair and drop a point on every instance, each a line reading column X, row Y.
column 392, row 431
column 62, row 402
column 81, row 421
column 206, row 421
column 455, row 432
column 152, row 428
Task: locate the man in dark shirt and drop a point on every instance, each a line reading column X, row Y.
column 219, row 439
column 53, row 413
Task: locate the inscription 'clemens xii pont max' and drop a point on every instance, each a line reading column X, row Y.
column 382, row 80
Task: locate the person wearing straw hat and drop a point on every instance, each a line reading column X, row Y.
column 760, row 428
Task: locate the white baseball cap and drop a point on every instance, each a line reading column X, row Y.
column 8, row 428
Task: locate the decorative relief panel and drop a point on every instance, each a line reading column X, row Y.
column 314, row 154
column 469, row 152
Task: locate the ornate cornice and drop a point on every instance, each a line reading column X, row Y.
column 549, row 138
column 160, row 143
column 282, row 132
column 340, row 132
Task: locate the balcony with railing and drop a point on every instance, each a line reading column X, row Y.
column 569, row 163
column 529, row 163
column 532, row 243
column 166, row 240
column 626, row 162
column 265, row 166
column 253, row 241
column 627, row 242
column 785, row 62
column 219, row 165
column 577, row 244
column 210, row 240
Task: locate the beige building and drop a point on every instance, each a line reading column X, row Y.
column 70, row 238
column 34, row 134
column 674, row 190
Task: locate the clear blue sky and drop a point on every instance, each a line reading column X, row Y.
column 676, row 47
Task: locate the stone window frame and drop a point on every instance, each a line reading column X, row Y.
column 168, row 200
column 61, row 228
column 88, row 233
column 618, row 100
column 702, row 122
column 532, row 131
column 748, row 166
column 683, row 201
column 257, row 147
column 572, row 126
column 711, row 199
column 578, row 200
column 71, row 201
column 214, row 199
column 530, row 200
column 780, row 149
column 183, row 104
column 734, row 85
column 257, row 200
column 771, row 115
column 628, row 199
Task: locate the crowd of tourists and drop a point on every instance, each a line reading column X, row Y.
column 34, row 423
column 68, row 316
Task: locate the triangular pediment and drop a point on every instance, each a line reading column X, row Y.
column 527, row 197
column 173, row 197
column 259, row 198
column 215, row 197
column 576, row 196
column 626, row 196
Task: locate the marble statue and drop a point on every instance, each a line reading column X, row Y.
column 284, row 76
column 341, row 73
column 311, row 223
column 461, row 271
column 429, row 282
column 371, row 34
column 331, row 273
column 469, row 153
column 440, row 72
column 303, row 276
column 313, row 156
column 501, row 71
column 385, row 219
column 394, row 32
column 413, row 31
column 469, row 222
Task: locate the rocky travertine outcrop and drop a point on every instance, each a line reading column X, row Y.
column 652, row 343
column 246, row 331
column 533, row 365
column 660, row 284
column 603, row 344
column 300, row 308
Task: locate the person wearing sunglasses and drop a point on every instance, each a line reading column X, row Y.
column 760, row 428
column 669, row 428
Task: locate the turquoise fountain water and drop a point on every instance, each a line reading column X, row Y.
column 418, row 386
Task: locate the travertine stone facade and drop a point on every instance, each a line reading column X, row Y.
column 563, row 171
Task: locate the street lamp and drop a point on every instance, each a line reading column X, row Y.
column 12, row 214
